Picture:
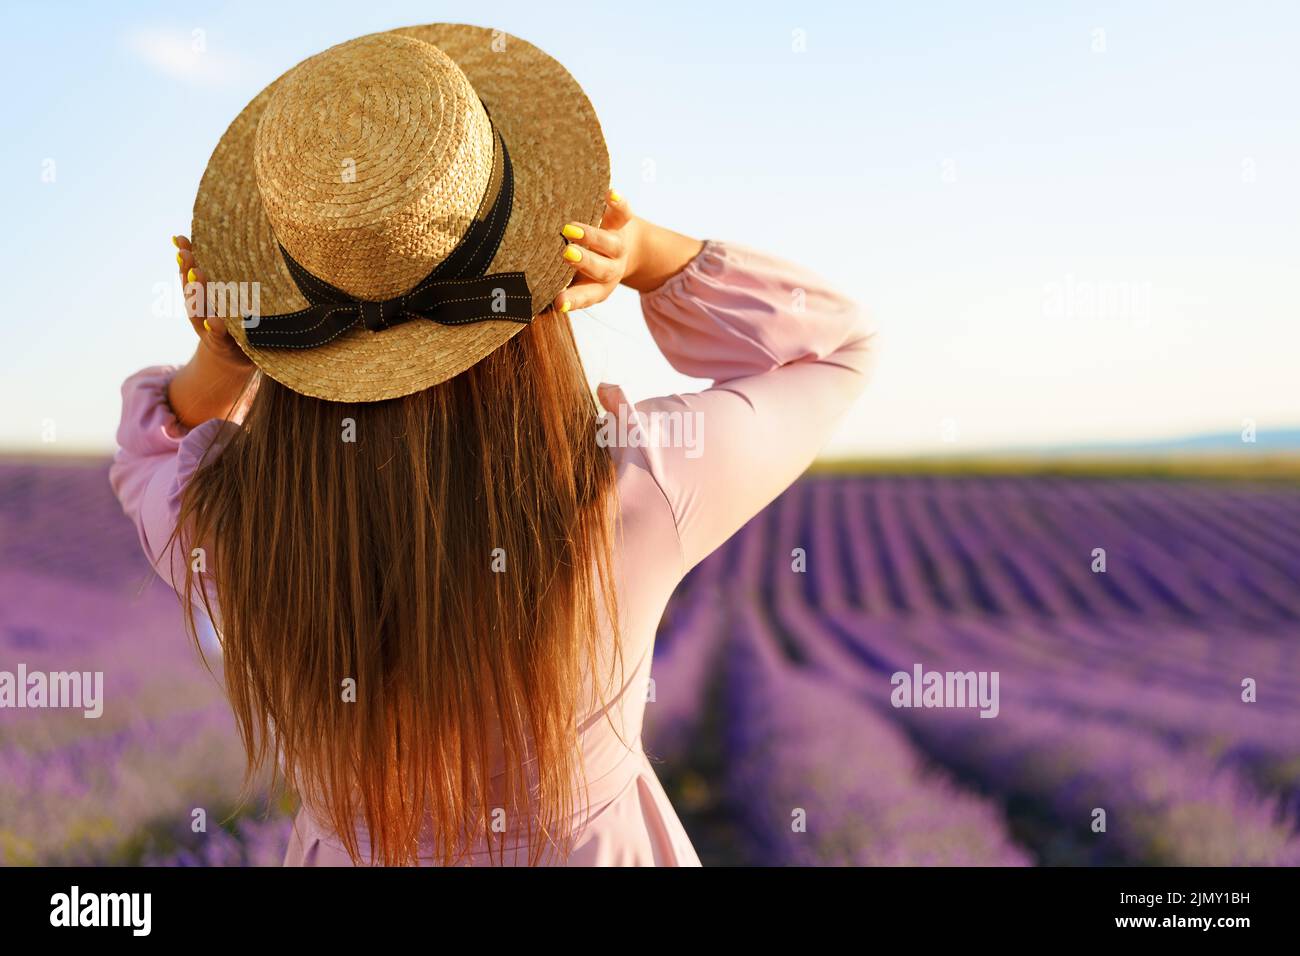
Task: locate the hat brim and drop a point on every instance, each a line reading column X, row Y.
column 561, row 169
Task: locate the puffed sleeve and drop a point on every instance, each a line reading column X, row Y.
column 155, row 459
column 787, row 355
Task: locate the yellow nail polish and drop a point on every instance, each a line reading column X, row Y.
column 206, row 326
column 573, row 232
column 189, row 276
column 180, row 259
column 615, row 196
column 175, row 243
column 573, row 253
column 564, row 306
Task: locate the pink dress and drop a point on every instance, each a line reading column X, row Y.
column 787, row 356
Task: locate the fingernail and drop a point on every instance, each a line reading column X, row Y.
column 573, row 232
column 564, row 306
column 573, row 253
column 615, row 196
column 189, row 276
column 180, row 259
column 175, row 242
column 206, row 326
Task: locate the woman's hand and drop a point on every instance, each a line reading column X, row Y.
column 214, row 383
column 622, row 249
column 211, row 330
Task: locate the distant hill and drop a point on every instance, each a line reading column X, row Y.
column 1274, row 455
column 1273, row 441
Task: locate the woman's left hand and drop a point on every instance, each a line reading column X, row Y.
column 211, row 330
column 214, row 382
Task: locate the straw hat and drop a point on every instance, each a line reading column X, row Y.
column 360, row 196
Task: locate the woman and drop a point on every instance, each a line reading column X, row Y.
column 436, row 576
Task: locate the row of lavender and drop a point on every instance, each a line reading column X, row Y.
column 1121, row 691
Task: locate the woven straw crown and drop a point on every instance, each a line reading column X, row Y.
column 368, row 163
column 371, row 162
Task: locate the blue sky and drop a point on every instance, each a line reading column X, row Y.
column 1073, row 221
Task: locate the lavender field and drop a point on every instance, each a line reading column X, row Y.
column 76, row 594
column 772, row 721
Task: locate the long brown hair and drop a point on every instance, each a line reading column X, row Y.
column 454, row 561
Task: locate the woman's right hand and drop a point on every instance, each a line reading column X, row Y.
column 599, row 253
column 623, row 249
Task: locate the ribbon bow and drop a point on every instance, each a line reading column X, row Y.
column 456, row 292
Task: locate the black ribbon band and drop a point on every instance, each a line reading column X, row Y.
column 456, row 292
